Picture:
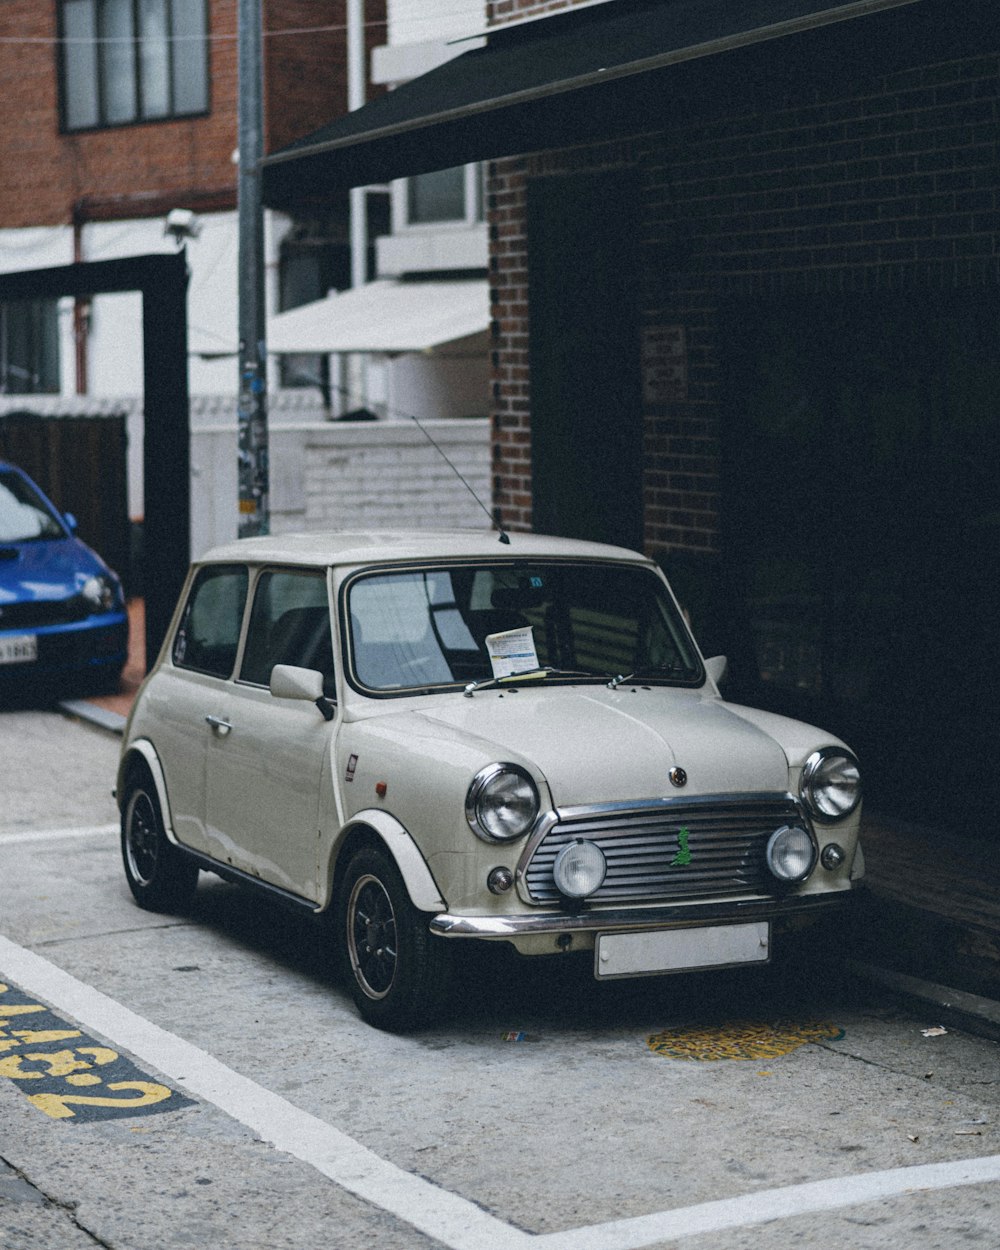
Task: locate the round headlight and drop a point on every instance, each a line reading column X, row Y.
column 831, row 784
column 791, row 853
column 502, row 803
column 579, row 869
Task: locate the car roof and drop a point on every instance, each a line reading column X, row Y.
column 379, row 546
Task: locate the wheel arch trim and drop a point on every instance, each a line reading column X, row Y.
column 406, row 855
column 145, row 750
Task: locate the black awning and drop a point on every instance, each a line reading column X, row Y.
column 524, row 90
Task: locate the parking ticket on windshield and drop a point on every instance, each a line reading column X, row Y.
column 513, row 651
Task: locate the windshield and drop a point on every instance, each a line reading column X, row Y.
column 423, row 628
column 24, row 515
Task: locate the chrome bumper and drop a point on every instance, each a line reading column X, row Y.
column 692, row 916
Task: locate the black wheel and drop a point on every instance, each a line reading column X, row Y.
column 159, row 876
column 397, row 971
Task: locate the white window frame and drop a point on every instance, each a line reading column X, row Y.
column 474, row 200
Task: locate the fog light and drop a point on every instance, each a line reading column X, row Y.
column 832, row 856
column 500, row 880
column 791, row 853
column 579, row 869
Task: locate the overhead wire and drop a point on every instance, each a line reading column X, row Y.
column 222, row 37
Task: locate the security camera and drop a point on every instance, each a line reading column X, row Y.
column 182, row 224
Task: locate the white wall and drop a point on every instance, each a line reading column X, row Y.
column 344, row 475
column 324, row 474
column 387, row 475
column 419, row 21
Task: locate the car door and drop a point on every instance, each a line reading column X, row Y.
column 268, row 771
column 189, row 698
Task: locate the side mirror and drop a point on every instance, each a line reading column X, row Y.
column 717, row 667
column 290, row 682
column 71, row 522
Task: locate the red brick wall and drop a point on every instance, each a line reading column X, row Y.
column 306, row 75
column 511, row 412
column 143, row 169
column 135, row 167
column 892, row 183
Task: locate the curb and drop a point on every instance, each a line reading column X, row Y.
column 81, row 709
column 969, row 1012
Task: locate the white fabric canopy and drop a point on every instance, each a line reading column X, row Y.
column 383, row 316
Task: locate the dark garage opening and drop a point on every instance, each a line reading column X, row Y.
column 862, row 530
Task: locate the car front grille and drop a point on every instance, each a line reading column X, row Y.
column 669, row 850
column 41, row 612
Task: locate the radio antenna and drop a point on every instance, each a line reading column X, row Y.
column 409, row 416
column 457, row 472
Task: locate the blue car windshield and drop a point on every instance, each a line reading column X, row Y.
column 565, row 621
column 24, row 514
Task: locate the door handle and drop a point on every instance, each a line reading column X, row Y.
column 219, row 726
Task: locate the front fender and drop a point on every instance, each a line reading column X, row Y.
column 417, row 877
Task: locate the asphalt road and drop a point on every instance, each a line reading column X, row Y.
column 202, row 1080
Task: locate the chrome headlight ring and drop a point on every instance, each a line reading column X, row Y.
column 831, row 784
column 501, row 803
column 790, row 854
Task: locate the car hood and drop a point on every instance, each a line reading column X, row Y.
column 595, row 745
column 45, row 569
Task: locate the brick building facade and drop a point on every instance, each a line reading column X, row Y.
column 882, row 182
column 146, row 168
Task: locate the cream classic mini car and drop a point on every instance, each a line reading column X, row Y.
column 446, row 736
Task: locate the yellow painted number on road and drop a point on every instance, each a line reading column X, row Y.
column 58, row 1063
column 71, row 1069
column 58, row 1106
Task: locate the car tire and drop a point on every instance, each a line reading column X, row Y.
column 160, row 877
column 397, row 971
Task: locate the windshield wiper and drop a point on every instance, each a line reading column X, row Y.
column 676, row 669
column 536, row 673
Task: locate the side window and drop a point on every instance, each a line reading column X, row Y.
column 209, row 631
column 289, row 624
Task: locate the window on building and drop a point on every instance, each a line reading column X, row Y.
column 311, row 263
column 132, row 60
column 29, row 347
column 445, row 195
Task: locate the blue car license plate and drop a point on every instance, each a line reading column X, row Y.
column 18, row 649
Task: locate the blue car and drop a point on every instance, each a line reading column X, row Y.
column 63, row 624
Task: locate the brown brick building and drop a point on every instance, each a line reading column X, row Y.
column 117, row 113
column 135, row 165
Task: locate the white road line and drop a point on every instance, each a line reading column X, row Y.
column 451, row 1219
column 454, row 1221
column 55, row 835
column 771, row 1204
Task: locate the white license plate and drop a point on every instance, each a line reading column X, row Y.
column 680, row 950
column 18, row 649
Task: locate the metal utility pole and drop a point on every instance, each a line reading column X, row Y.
column 356, row 77
column 254, row 514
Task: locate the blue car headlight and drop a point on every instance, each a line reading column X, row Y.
column 100, row 593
